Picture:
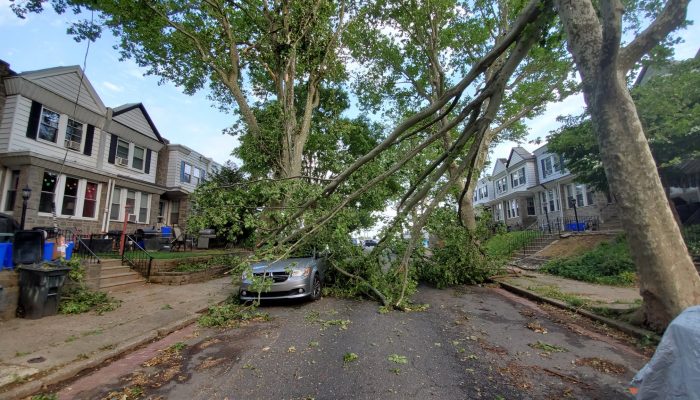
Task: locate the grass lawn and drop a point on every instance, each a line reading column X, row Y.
column 504, row 244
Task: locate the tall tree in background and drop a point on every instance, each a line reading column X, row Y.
column 668, row 280
column 410, row 54
column 269, row 58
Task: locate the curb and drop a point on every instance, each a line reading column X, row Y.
column 69, row 371
column 631, row 330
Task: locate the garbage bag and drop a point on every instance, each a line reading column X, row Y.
column 674, row 370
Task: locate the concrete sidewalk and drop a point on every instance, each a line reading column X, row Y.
column 40, row 352
column 612, row 297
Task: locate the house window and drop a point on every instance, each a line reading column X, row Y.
column 122, row 152
column 579, row 193
column 11, row 195
column 517, row 178
column 138, row 204
column 137, row 160
column 187, row 173
column 550, row 199
column 175, row 212
column 90, row 202
column 115, row 208
column 590, row 195
column 530, row 206
column 70, row 196
column 513, row 210
column 74, row 135
column 499, row 211
column 143, row 208
column 48, row 187
column 48, row 125
column 550, row 165
column 196, row 174
column 501, row 185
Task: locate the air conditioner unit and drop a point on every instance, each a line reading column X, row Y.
column 132, row 217
column 122, row 161
column 72, row 145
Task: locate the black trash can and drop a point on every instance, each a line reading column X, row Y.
column 40, row 290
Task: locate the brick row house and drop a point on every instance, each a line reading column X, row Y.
column 91, row 161
column 528, row 190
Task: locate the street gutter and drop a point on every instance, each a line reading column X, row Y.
column 629, row 329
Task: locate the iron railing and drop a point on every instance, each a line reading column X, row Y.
column 136, row 256
column 81, row 249
column 558, row 225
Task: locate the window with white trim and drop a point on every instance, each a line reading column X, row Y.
column 48, row 125
column 122, row 153
column 139, row 204
column 501, row 185
column 580, row 193
column 137, row 161
column 75, row 197
column 187, row 173
column 513, row 209
column 530, row 206
column 74, row 135
column 196, row 172
column 12, row 190
column 549, row 199
column 550, row 165
column 48, row 187
column 517, row 178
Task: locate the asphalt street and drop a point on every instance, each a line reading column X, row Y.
column 471, row 342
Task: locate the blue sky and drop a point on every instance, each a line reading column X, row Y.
column 41, row 41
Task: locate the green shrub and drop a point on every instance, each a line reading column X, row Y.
column 691, row 234
column 608, row 264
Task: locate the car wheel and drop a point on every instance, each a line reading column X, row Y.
column 316, row 288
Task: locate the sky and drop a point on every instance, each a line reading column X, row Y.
column 40, row 41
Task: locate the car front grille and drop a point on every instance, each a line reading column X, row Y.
column 277, row 277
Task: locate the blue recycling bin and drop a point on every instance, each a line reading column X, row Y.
column 5, row 255
column 48, row 251
column 166, row 231
column 574, row 227
column 69, row 250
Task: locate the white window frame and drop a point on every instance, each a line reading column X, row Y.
column 534, row 207
column 517, row 178
column 502, row 185
column 9, row 187
column 132, row 157
column 41, row 122
column 82, row 135
column 185, row 174
column 123, row 192
column 576, row 190
column 59, row 194
column 513, row 209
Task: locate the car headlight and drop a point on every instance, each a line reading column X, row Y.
column 302, row 272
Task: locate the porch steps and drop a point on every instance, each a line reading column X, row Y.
column 116, row 276
column 534, row 246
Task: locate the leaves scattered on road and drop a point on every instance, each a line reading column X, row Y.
column 602, row 365
column 395, row 358
column 547, row 348
column 350, row 357
column 536, row 327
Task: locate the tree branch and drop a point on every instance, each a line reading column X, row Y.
column 671, row 17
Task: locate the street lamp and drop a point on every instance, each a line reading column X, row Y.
column 26, row 194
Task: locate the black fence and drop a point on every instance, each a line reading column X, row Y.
column 136, row 256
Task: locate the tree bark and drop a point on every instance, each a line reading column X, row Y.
column 668, row 280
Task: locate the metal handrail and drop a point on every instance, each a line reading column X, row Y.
column 137, row 256
column 81, row 249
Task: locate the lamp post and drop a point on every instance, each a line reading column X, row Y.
column 26, row 194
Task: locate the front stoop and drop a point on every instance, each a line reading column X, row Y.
column 119, row 277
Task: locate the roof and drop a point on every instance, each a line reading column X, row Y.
column 521, row 153
column 37, row 76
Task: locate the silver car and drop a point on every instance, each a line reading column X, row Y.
column 292, row 278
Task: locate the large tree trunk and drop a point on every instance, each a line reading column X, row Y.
column 668, row 280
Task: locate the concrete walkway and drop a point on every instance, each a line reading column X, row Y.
column 38, row 352
column 551, row 286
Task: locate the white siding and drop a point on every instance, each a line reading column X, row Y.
column 128, row 171
column 514, row 158
column 195, row 159
column 66, row 85
column 554, row 176
column 499, row 167
column 20, row 141
column 137, row 121
column 8, row 120
column 531, row 174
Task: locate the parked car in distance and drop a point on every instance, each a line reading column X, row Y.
column 292, row 278
column 369, row 244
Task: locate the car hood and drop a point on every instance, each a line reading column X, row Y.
column 283, row 265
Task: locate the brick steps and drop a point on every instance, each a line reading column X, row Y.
column 115, row 276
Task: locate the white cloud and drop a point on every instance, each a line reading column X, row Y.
column 111, row 86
